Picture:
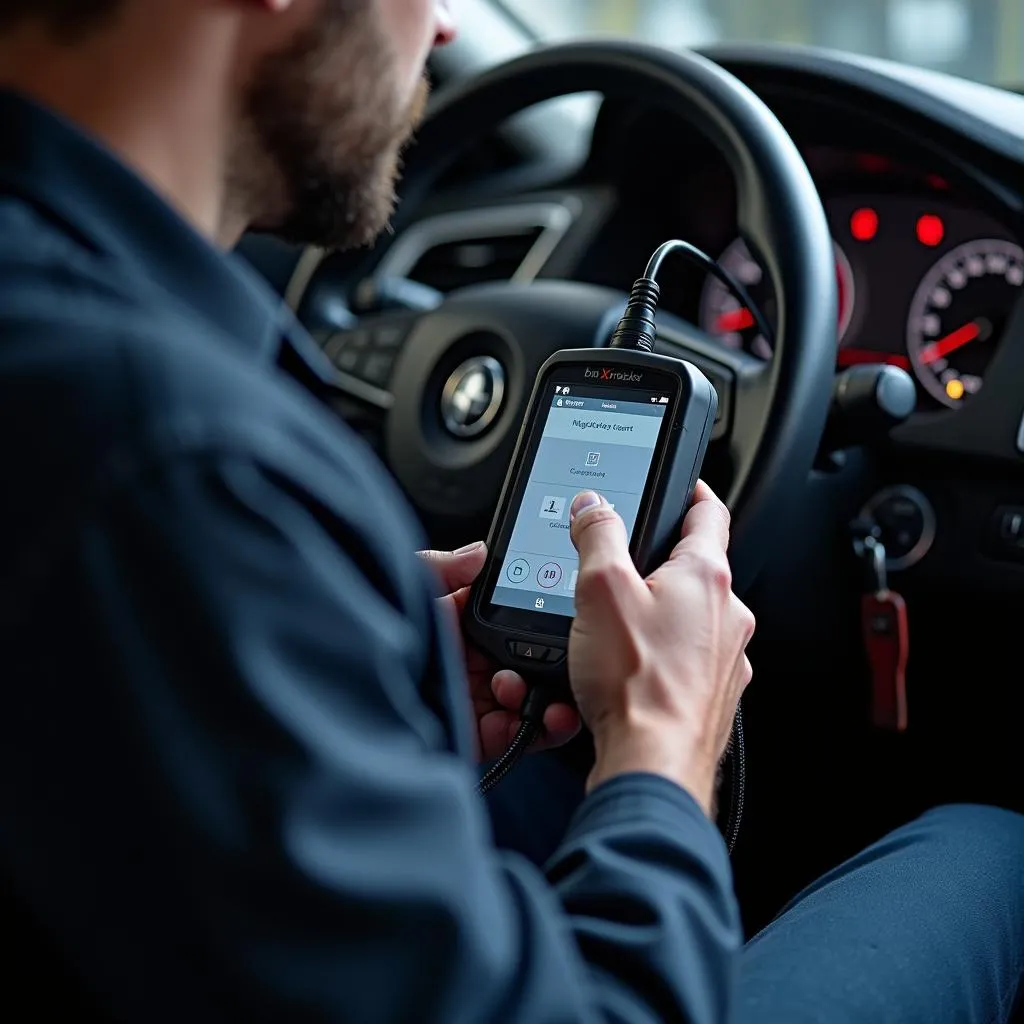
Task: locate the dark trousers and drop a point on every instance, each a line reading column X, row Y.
column 926, row 925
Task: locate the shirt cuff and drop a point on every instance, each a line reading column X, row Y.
column 640, row 798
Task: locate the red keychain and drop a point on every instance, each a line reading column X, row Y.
column 886, row 641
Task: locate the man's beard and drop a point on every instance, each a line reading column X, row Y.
column 323, row 129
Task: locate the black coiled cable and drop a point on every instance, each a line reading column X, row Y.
column 736, row 756
column 530, row 728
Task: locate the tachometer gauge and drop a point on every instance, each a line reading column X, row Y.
column 959, row 314
column 722, row 316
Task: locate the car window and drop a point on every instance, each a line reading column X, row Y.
column 978, row 39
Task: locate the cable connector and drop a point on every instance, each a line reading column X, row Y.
column 637, row 328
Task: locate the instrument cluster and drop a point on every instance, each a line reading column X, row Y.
column 926, row 283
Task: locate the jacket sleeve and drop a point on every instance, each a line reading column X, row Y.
column 248, row 807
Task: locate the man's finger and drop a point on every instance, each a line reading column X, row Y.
column 460, row 598
column 509, row 689
column 457, row 569
column 708, row 519
column 598, row 532
column 562, row 723
column 498, row 728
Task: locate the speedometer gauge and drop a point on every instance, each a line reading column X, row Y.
column 959, row 314
column 722, row 315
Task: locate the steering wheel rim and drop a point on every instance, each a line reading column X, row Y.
column 779, row 408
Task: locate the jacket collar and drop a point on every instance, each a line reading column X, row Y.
column 80, row 184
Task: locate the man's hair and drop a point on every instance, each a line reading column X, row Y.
column 66, row 19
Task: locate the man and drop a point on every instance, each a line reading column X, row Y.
column 238, row 765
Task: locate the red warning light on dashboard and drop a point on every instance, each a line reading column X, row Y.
column 930, row 230
column 864, row 224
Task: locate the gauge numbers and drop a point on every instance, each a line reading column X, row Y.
column 959, row 314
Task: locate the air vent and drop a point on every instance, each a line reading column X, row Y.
column 452, row 265
column 505, row 243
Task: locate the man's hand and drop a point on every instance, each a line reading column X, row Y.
column 658, row 665
column 496, row 696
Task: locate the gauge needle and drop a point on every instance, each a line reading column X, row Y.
column 950, row 343
column 735, row 320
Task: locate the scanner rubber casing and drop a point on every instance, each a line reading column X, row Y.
column 674, row 472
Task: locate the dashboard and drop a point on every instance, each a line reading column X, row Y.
column 923, row 284
column 921, row 187
column 929, row 271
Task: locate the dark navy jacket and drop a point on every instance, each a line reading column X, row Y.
column 236, row 779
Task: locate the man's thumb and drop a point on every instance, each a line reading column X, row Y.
column 597, row 531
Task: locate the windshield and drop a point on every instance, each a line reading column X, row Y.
column 979, row 39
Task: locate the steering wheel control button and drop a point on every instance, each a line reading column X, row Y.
column 390, row 337
column 368, row 353
column 473, row 396
column 349, row 361
column 347, row 350
column 518, row 571
column 529, row 652
column 549, row 575
column 345, row 341
column 907, row 523
column 377, row 368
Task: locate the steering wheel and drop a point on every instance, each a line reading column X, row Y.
column 482, row 347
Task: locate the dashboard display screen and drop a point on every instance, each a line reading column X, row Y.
column 593, row 438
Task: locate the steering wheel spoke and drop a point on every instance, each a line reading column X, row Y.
column 733, row 374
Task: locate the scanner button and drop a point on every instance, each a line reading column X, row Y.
column 530, row 652
column 518, row 571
